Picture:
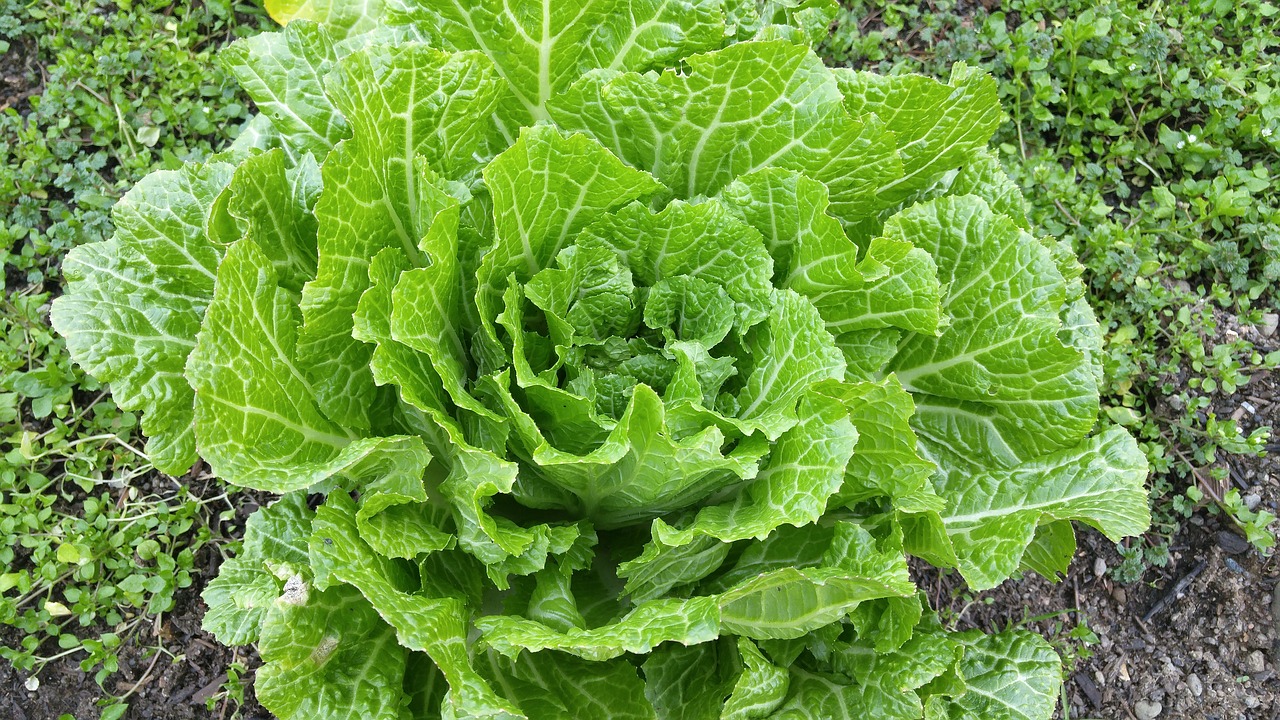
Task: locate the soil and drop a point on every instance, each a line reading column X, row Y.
column 20, row 76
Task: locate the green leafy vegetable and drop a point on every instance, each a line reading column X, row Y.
column 631, row 351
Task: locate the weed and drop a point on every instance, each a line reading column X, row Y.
column 93, row 543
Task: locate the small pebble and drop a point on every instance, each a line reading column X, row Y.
column 1234, row 566
column 1232, row 542
column 1256, row 662
column 1147, row 710
column 1270, row 321
column 1099, row 567
column 1251, row 500
column 1251, row 702
column 1194, row 685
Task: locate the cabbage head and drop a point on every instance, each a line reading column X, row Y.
column 610, row 359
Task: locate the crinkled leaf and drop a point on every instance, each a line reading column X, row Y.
column 998, row 385
column 1013, row 675
column 283, row 73
column 892, row 285
column 436, row 626
column 805, row 467
column 404, row 103
column 540, row 47
column 133, row 304
column 328, row 654
column 257, row 421
column 555, row 686
column 992, row 513
column 936, row 127
column 271, row 204
column 749, row 106
column 274, row 551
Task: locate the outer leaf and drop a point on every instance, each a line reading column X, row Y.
column 760, row 688
column 328, row 655
column 256, row 417
column 689, row 622
column 886, row 462
column 937, row 127
column 346, row 19
column 554, row 686
column 1052, row 550
column 436, row 626
column 691, row 683
column 274, row 550
column 750, row 106
column 542, row 46
column 800, row 21
column 1014, row 675
column 133, row 304
column 792, row 601
column 283, row 73
column 992, row 514
column 998, row 384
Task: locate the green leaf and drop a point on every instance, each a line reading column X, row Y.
column 690, row 683
column 1013, row 675
column 344, row 19
column 893, row 285
column 1052, row 549
column 792, row 350
column 540, row 47
column 992, row 514
column 690, row 621
column 271, row 204
column 886, row 462
column 749, row 106
column 556, row 686
column 672, row 243
column 792, row 601
column 133, row 304
column 328, row 654
column 404, row 103
column 283, row 73
column 257, row 420
column 641, row 469
column 547, row 187
column 998, row 385
column 760, row 688
column 805, row 467
column 936, row 127
column 436, row 626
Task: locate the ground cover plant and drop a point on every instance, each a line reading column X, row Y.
column 620, row 367
column 1146, row 136
column 93, row 544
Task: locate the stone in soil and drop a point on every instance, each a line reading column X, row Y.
column 1147, row 709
